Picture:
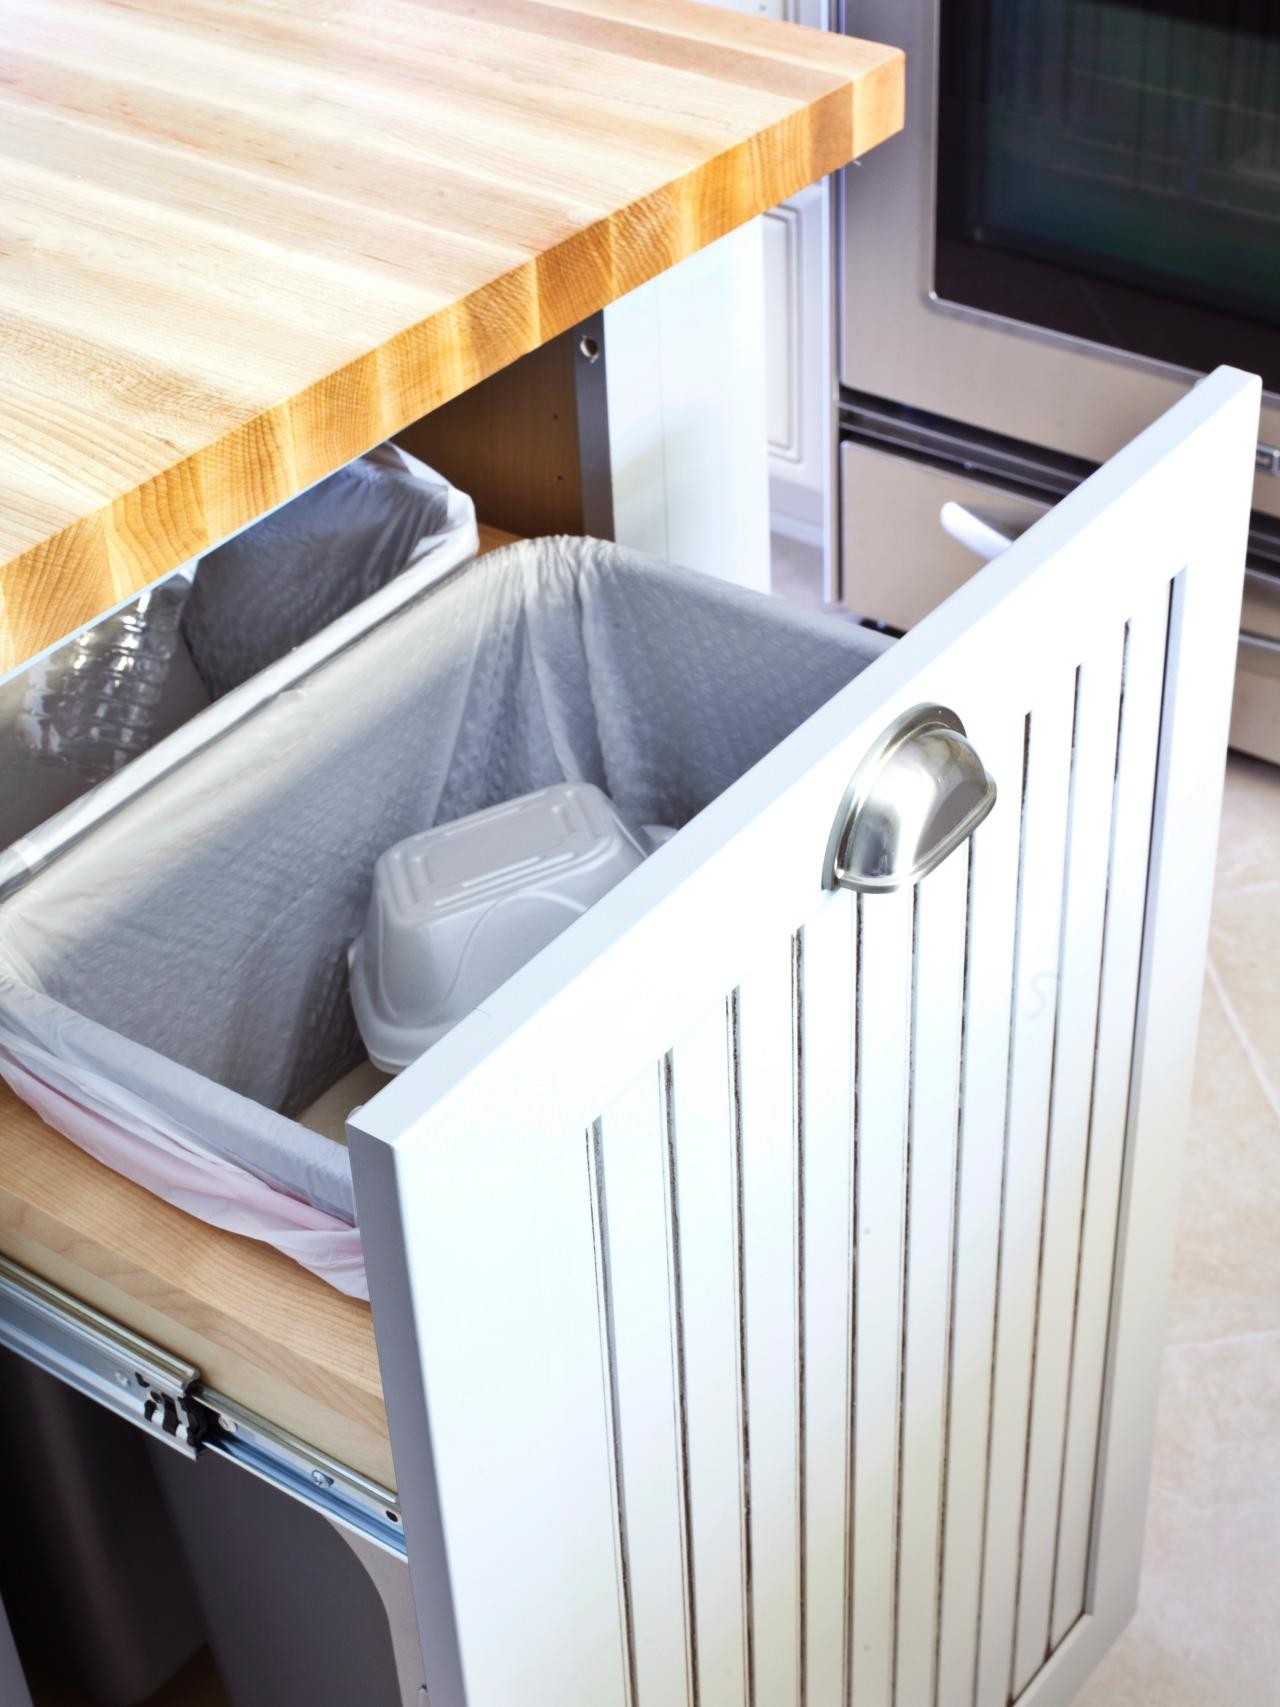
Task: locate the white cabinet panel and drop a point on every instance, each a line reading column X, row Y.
column 769, row 1281
column 799, row 361
column 799, row 345
column 686, row 400
column 782, row 331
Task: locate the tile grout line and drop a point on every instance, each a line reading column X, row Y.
column 1242, row 1037
column 1261, row 886
column 1251, row 1336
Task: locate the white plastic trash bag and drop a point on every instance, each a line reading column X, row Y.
column 173, row 986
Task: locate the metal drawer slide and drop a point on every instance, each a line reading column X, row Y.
column 98, row 1357
column 164, row 1395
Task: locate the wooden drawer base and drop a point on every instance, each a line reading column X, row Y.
column 259, row 1328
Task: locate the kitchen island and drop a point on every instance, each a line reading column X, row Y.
column 247, row 242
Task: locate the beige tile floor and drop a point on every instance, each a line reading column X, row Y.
column 1207, row 1632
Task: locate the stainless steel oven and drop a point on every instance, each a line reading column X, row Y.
column 1081, row 216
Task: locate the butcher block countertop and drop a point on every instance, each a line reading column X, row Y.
column 243, row 240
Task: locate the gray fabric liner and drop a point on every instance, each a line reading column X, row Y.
column 192, row 948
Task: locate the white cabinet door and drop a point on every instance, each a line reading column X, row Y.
column 769, row 1280
column 686, row 388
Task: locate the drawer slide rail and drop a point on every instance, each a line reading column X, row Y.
column 98, row 1357
column 164, row 1395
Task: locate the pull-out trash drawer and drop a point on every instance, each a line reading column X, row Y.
column 769, row 1280
column 768, row 1276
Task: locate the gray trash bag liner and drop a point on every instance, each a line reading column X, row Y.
column 185, row 963
column 291, row 574
column 381, row 529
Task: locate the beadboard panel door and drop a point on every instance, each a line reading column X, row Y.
column 769, row 1280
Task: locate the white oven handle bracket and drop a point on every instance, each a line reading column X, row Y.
column 972, row 531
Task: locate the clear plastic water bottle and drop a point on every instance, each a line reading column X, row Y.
column 91, row 706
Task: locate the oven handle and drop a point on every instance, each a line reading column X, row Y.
column 1259, row 654
column 972, row 532
column 987, row 541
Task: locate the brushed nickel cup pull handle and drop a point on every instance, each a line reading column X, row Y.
column 918, row 794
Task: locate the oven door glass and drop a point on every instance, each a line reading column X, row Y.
column 1110, row 169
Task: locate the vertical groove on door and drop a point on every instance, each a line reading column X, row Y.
column 883, row 1097
column 1134, row 797
column 826, row 970
column 995, row 859
column 642, row 1242
column 707, row 1193
column 734, row 1021
column 904, row 1293
column 802, row 1480
column 772, row 1352
column 682, row 1385
column 1042, row 1228
column 936, row 1023
column 612, row 1407
column 998, row 1286
column 855, row 1210
column 1092, row 1108
column 953, row 1255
